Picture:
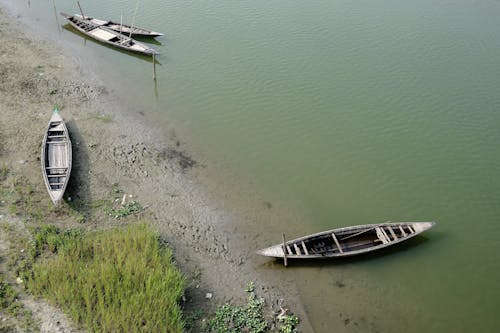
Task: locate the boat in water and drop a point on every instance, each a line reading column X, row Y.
column 347, row 241
column 120, row 27
column 106, row 35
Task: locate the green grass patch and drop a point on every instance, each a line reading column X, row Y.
column 4, row 171
column 21, row 197
column 31, row 203
column 12, row 311
column 119, row 280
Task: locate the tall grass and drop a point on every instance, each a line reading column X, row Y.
column 120, row 280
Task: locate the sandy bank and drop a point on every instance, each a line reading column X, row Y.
column 112, row 148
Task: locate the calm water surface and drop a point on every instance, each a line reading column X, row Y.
column 352, row 112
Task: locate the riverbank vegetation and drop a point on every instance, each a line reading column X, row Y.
column 13, row 315
column 114, row 158
column 117, row 278
column 251, row 317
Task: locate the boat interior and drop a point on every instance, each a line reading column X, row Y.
column 348, row 241
column 56, row 156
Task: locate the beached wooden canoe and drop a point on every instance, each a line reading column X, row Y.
column 121, row 28
column 108, row 36
column 348, row 241
column 56, row 157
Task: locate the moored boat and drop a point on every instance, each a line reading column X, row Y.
column 108, row 36
column 347, row 241
column 121, row 28
column 56, row 157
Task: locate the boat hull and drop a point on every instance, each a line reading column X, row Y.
column 56, row 157
column 348, row 241
column 108, row 36
column 121, row 28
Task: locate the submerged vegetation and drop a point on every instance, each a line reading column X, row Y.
column 121, row 204
column 231, row 318
column 123, row 210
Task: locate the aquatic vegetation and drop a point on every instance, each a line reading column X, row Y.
column 124, row 210
column 230, row 318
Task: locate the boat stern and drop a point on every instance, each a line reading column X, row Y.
column 152, row 52
column 273, row 251
column 56, row 116
column 56, row 196
column 66, row 15
column 423, row 226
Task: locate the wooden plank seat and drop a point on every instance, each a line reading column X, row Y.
column 52, row 168
column 382, row 235
column 297, row 249
column 56, row 142
column 337, row 242
column 305, row 248
column 393, row 234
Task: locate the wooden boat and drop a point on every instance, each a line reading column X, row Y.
column 121, row 28
column 108, row 36
column 348, row 241
column 56, row 157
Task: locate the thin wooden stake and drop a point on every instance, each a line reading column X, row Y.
column 154, row 67
column 56, row 16
column 284, row 250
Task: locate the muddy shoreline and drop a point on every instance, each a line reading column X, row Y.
column 113, row 148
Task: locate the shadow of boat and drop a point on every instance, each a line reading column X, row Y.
column 78, row 187
column 148, row 40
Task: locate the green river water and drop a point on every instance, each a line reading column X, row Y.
column 349, row 112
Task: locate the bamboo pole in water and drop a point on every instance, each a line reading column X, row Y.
column 133, row 19
column 154, row 67
column 81, row 11
column 121, row 23
column 284, row 251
